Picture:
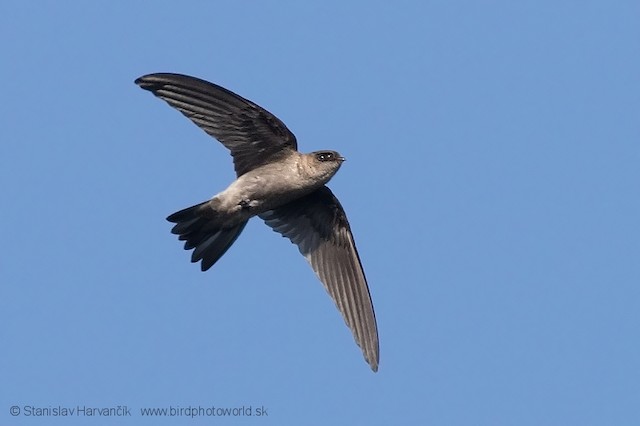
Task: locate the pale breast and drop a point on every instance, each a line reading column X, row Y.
column 268, row 187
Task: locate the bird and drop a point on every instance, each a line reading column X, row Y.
column 280, row 185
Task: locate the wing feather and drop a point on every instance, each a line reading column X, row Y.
column 318, row 225
column 252, row 134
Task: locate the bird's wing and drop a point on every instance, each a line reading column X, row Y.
column 317, row 224
column 252, row 134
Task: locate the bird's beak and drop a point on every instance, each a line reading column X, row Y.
column 341, row 159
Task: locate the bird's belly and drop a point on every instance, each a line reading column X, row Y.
column 255, row 193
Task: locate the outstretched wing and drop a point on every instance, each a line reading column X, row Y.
column 317, row 224
column 252, row 134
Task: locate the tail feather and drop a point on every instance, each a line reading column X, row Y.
column 215, row 246
column 189, row 213
column 198, row 227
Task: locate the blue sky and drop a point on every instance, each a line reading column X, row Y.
column 492, row 186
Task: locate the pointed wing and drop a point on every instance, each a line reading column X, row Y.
column 318, row 225
column 252, row 134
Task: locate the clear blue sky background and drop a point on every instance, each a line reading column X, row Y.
column 492, row 184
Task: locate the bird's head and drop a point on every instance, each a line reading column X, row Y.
column 325, row 163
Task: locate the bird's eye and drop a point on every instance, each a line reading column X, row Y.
column 324, row 156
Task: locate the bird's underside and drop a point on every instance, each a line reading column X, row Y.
column 312, row 218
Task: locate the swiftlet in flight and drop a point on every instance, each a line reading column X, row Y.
column 282, row 186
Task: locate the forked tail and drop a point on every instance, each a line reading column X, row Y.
column 197, row 226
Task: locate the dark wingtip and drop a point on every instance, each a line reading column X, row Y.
column 158, row 79
column 145, row 82
column 149, row 81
